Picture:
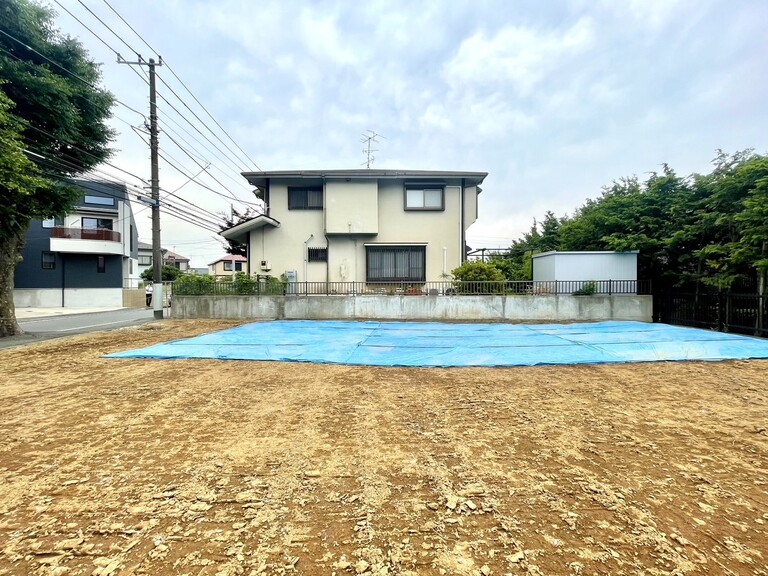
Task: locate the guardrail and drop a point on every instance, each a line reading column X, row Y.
column 85, row 234
column 262, row 285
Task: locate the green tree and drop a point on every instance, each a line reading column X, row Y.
column 233, row 219
column 17, row 175
column 168, row 274
column 59, row 114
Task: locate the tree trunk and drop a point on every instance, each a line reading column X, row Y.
column 11, row 244
column 761, row 278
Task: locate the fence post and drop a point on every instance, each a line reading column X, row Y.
column 721, row 322
column 610, row 287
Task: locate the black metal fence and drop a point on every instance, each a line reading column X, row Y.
column 271, row 286
column 741, row 313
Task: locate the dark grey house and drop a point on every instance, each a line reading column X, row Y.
column 83, row 259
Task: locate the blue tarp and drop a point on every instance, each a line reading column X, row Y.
column 435, row 344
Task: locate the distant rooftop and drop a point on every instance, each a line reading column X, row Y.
column 230, row 258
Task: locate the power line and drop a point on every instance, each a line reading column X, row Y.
column 202, row 218
column 84, row 152
column 196, row 116
column 196, row 162
column 181, row 171
column 106, row 26
column 89, row 84
column 170, row 69
column 161, row 79
column 216, row 153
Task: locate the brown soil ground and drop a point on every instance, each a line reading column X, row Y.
column 222, row 467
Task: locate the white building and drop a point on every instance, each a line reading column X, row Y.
column 85, row 258
column 360, row 225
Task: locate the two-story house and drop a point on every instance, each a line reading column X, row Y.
column 84, row 258
column 169, row 258
column 361, row 225
column 228, row 265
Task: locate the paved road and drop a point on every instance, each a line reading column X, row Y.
column 45, row 328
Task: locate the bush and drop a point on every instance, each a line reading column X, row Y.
column 587, row 289
column 168, row 274
column 476, row 277
column 242, row 283
column 194, row 285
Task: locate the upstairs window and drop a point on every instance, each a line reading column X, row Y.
column 425, row 197
column 51, row 222
column 305, row 198
column 97, row 223
column 145, row 260
column 317, row 254
column 99, row 200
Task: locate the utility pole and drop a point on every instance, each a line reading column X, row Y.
column 157, row 256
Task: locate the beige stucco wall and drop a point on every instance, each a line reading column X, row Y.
column 217, row 269
column 351, row 207
column 284, row 246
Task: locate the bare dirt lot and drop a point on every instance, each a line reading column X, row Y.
column 222, row 467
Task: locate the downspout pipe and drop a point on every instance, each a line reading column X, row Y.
column 327, row 240
column 306, row 255
column 463, row 241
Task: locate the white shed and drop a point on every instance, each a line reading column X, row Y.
column 575, row 268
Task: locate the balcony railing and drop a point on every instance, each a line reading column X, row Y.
column 85, row 234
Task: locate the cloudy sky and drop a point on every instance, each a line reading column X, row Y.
column 553, row 99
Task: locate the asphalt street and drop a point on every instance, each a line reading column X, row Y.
column 47, row 327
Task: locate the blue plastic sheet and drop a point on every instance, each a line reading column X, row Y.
column 432, row 344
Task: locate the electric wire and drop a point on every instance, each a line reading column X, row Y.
column 170, row 69
column 92, row 86
column 146, row 81
column 131, row 48
column 172, row 162
column 203, row 216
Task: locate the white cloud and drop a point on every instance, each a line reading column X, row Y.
column 516, row 56
column 553, row 99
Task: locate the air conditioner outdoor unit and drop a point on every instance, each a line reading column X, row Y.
column 265, row 265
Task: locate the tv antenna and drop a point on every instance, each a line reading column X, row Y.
column 369, row 138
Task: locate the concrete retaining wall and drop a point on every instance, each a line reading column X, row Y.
column 555, row 308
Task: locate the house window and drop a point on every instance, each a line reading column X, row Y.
column 317, row 254
column 305, row 198
column 51, row 222
column 227, row 265
column 100, row 200
column 145, row 260
column 49, row 260
column 396, row 263
column 97, row 223
column 238, row 266
column 430, row 197
column 101, row 264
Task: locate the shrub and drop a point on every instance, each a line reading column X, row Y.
column 168, row 274
column 476, row 277
column 194, row 285
column 587, row 289
column 242, row 283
